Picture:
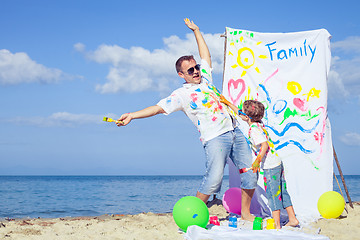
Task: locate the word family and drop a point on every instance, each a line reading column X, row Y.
column 303, row 50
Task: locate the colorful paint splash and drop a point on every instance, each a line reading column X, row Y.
column 295, row 109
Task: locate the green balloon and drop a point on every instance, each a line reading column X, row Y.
column 189, row 211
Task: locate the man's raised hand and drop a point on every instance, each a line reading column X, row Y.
column 191, row 24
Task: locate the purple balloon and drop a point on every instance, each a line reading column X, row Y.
column 232, row 200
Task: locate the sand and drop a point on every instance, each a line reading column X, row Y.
column 149, row 226
column 347, row 226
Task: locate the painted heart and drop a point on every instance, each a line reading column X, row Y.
column 300, row 104
column 235, row 91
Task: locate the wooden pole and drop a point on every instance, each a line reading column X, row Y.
column 224, row 35
column 340, row 190
column 342, row 178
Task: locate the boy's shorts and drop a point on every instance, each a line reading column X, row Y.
column 275, row 188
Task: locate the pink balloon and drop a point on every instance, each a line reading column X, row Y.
column 232, row 200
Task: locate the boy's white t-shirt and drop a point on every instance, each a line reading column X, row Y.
column 258, row 135
column 201, row 103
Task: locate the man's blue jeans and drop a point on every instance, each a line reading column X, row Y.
column 231, row 144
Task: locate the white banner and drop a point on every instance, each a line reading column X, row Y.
column 288, row 73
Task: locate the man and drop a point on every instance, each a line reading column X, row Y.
column 199, row 100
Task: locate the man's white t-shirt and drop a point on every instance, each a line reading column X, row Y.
column 200, row 102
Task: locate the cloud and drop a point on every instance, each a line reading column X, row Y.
column 16, row 68
column 60, row 119
column 336, row 85
column 349, row 45
column 351, row 139
column 138, row 69
column 344, row 77
column 79, row 47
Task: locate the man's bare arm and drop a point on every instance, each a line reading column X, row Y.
column 203, row 48
column 144, row 113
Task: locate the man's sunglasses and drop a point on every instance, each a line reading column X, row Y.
column 191, row 70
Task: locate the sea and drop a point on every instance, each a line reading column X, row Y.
column 74, row 196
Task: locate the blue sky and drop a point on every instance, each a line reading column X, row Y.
column 64, row 65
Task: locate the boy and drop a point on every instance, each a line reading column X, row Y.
column 263, row 147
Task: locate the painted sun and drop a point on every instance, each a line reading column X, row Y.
column 246, row 57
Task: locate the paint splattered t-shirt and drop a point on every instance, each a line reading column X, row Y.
column 258, row 135
column 200, row 102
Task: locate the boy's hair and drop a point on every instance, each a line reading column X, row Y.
column 254, row 109
column 181, row 59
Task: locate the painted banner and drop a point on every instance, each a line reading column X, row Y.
column 288, row 73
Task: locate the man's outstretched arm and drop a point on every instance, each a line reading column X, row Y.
column 203, row 48
column 126, row 118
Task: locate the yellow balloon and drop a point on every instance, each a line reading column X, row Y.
column 331, row 204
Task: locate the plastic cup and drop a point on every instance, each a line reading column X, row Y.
column 257, row 224
column 233, row 222
column 270, row 223
column 214, row 220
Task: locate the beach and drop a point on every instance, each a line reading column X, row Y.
column 347, row 226
column 151, row 226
